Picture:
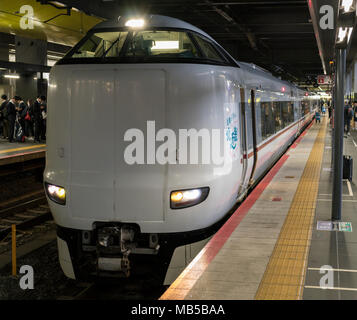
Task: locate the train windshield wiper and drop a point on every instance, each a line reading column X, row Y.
column 116, row 41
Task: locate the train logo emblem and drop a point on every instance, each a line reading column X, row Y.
column 231, row 129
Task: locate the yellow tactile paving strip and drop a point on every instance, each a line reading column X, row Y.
column 22, row 148
column 285, row 273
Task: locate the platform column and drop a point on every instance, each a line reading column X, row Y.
column 33, row 51
column 333, row 102
column 338, row 134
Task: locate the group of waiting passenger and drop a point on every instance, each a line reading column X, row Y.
column 349, row 115
column 20, row 120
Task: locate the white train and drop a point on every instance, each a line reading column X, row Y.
column 116, row 184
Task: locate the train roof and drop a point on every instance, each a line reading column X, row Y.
column 159, row 21
column 152, row 21
column 253, row 68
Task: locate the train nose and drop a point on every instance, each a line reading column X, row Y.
column 106, row 104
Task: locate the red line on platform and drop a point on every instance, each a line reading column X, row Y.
column 21, row 154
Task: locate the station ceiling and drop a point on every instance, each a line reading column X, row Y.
column 64, row 29
column 275, row 34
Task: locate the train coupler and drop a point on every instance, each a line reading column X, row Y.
column 114, row 247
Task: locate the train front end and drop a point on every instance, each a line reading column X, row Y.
column 135, row 113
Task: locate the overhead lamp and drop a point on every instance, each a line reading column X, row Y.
column 346, row 5
column 342, row 33
column 12, row 76
column 165, row 45
column 135, row 23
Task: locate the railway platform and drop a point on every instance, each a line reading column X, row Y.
column 15, row 152
column 276, row 244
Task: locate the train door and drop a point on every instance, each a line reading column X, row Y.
column 248, row 138
column 254, row 131
column 244, row 144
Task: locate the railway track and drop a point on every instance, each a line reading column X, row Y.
column 133, row 289
column 25, row 213
column 22, row 200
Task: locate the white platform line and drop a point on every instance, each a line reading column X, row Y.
column 342, row 200
column 349, row 188
column 328, row 269
column 331, row 288
column 330, row 194
column 350, row 192
column 354, row 142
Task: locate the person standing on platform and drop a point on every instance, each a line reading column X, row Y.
column 20, row 117
column 318, row 116
column 355, row 115
column 323, row 109
column 37, row 119
column 27, row 115
column 3, row 116
column 348, row 117
column 11, row 116
column 44, row 116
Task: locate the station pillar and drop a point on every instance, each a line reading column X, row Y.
column 33, row 51
column 338, row 134
column 5, row 87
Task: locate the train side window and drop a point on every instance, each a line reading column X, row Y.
column 305, row 108
column 287, row 112
column 291, row 111
column 259, row 122
column 277, row 116
column 267, row 120
column 208, row 50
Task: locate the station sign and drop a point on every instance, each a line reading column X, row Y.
column 324, row 79
column 334, row 226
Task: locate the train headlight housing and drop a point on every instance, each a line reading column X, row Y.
column 56, row 193
column 180, row 199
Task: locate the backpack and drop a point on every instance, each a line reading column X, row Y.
column 20, row 136
column 28, row 117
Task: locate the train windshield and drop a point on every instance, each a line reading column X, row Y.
column 161, row 44
column 146, row 46
column 100, row 45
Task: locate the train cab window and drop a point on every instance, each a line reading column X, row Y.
column 161, row 44
column 104, row 44
column 146, row 46
column 208, row 50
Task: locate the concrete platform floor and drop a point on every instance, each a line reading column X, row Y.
column 18, row 152
column 236, row 262
column 334, row 248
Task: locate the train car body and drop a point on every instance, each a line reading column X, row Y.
column 115, row 183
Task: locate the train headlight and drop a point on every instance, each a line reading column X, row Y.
column 135, row 23
column 55, row 193
column 180, row 199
